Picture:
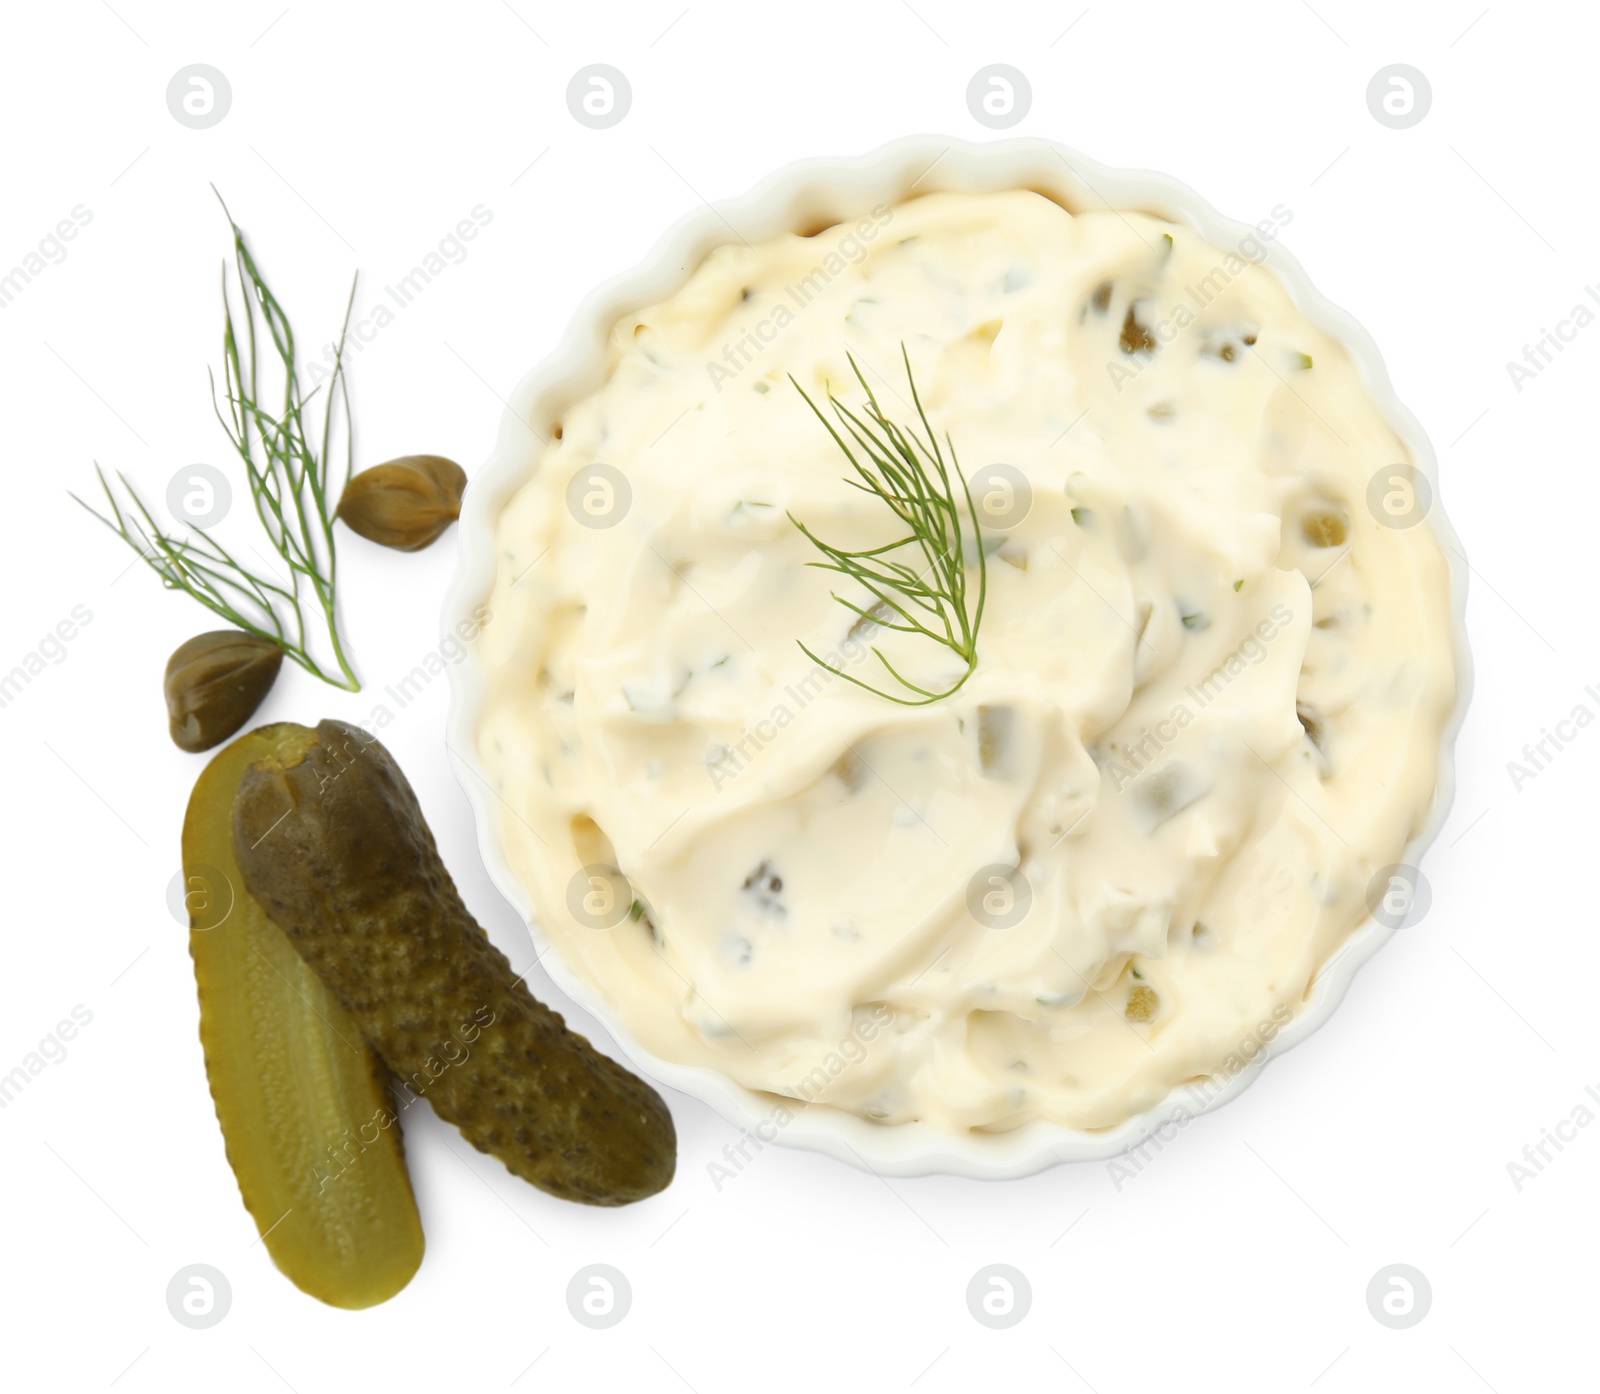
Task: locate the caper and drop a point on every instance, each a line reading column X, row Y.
column 1135, row 337
column 1324, row 529
column 404, row 503
column 214, row 682
column 1142, row 1004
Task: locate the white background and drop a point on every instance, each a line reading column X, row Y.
column 357, row 137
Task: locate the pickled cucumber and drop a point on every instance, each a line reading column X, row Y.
column 332, row 843
column 307, row 1118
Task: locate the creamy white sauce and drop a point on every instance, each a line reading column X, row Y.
column 802, row 852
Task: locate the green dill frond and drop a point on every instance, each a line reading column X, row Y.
column 286, row 463
column 918, row 582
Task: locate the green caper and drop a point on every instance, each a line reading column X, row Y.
column 404, row 503
column 1325, row 528
column 1135, row 337
column 1142, row 1004
column 214, row 682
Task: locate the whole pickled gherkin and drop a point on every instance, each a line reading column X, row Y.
column 332, row 843
column 308, row 1122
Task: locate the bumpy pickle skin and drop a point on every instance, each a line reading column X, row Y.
column 331, row 841
column 308, row 1121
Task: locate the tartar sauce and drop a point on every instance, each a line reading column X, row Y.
column 1211, row 685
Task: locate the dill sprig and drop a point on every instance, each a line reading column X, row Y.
column 286, row 463
column 909, row 476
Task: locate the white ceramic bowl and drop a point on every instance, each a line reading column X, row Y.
column 803, row 197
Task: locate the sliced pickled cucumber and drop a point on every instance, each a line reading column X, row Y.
column 307, row 1118
column 332, row 843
